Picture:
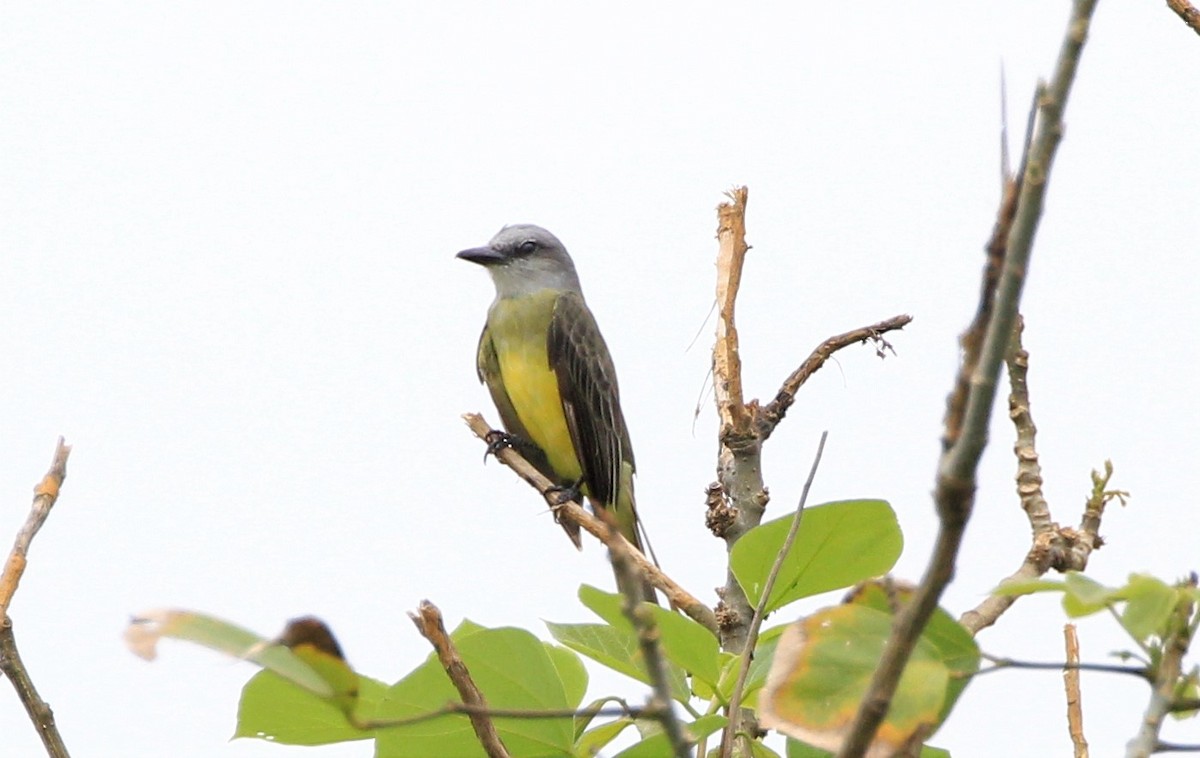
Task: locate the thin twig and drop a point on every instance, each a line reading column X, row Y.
column 455, row 708
column 1175, row 747
column 760, row 612
column 774, row 411
column 1001, row 664
column 1029, row 470
column 1074, row 695
column 1093, row 511
column 1187, row 12
column 642, row 618
column 39, row 710
column 1175, row 645
column 993, row 606
column 45, row 495
column 428, row 620
column 955, row 491
column 572, row 511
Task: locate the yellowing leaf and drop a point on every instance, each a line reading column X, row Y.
column 822, row 668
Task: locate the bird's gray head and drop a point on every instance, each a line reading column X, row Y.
column 524, row 258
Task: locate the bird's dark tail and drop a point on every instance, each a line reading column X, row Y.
column 631, row 528
column 641, row 589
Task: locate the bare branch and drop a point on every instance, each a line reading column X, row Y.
column 727, row 364
column 572, row 511
column 739, row 469
column 1029, row 489
column 1187, row 12
column 760, row 612
column 993, row 606
column 1029, row 471
column 1074, row 696
column 39, row 710
column 1054, row 547
column 955, row 491
column 45, row 494
column 428, row 620
column 773, row 412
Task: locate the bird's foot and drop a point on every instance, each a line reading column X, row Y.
column 561, row 495
column 557, row 497
column 496, row 441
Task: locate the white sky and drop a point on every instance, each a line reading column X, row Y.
column 227, row 277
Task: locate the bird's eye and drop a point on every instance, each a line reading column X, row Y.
column 527, row 247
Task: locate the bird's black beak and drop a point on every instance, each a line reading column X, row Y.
column 484, row 256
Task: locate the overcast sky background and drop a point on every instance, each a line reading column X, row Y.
column 227, row 276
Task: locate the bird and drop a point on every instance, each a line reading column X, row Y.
column 551, row 377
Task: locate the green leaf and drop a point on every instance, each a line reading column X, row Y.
column 595, row 740
column 759, row 750
column 658, row 745
column 272, row 708
column 1188, row 689
column 823, row 667
column 688, row 644
column 617, row 649
column 571, row 673
column 838, row 545
column 1084, row 596
column 606, row 605
column 513, row 670
column 610, row 647
column 798, row 749
column 684, row 642
column 764, row 656
column 1028, row 587
column 1148, row 607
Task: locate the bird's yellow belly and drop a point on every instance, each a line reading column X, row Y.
column 533, row 389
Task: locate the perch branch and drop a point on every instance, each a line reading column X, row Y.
column 955, row 488
column 572, row 511
column 428, row 620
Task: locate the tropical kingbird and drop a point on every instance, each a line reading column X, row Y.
column 551, row 376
